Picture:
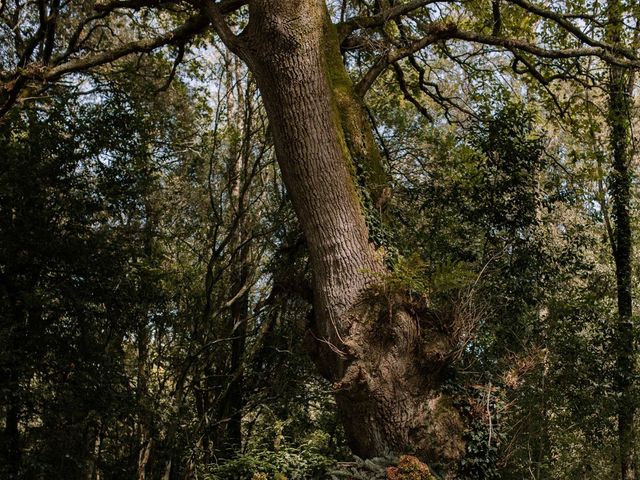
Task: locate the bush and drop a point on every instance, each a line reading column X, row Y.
column 285, row 463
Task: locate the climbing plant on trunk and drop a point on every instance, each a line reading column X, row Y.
column 620, row 88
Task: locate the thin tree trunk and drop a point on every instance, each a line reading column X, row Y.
column 144, row 427
column 239, row 316
column 11, row 443
column 12, row 436
column 143, row 440
column 386, row 375
column 620, row 187
column 143, row 457
column 240, row 138
column 91, row 458
column 620, row 184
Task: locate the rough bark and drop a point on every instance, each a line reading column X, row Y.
column 384, row 367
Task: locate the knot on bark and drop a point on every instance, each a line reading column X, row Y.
column 438, row 334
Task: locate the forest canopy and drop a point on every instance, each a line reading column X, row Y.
column 367, row 239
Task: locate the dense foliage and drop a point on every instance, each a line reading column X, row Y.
column 155, row 287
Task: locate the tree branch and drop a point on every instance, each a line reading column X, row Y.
column 511, row 43
column 355, row 23
column 563, row 22
column 194, row 25
column 435, row 32
column 407, row 94
column 10, row 91
column 215, row 13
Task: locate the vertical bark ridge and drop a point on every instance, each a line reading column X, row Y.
column 290, row 71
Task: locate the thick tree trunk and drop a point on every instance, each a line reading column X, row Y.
column 386, row 388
